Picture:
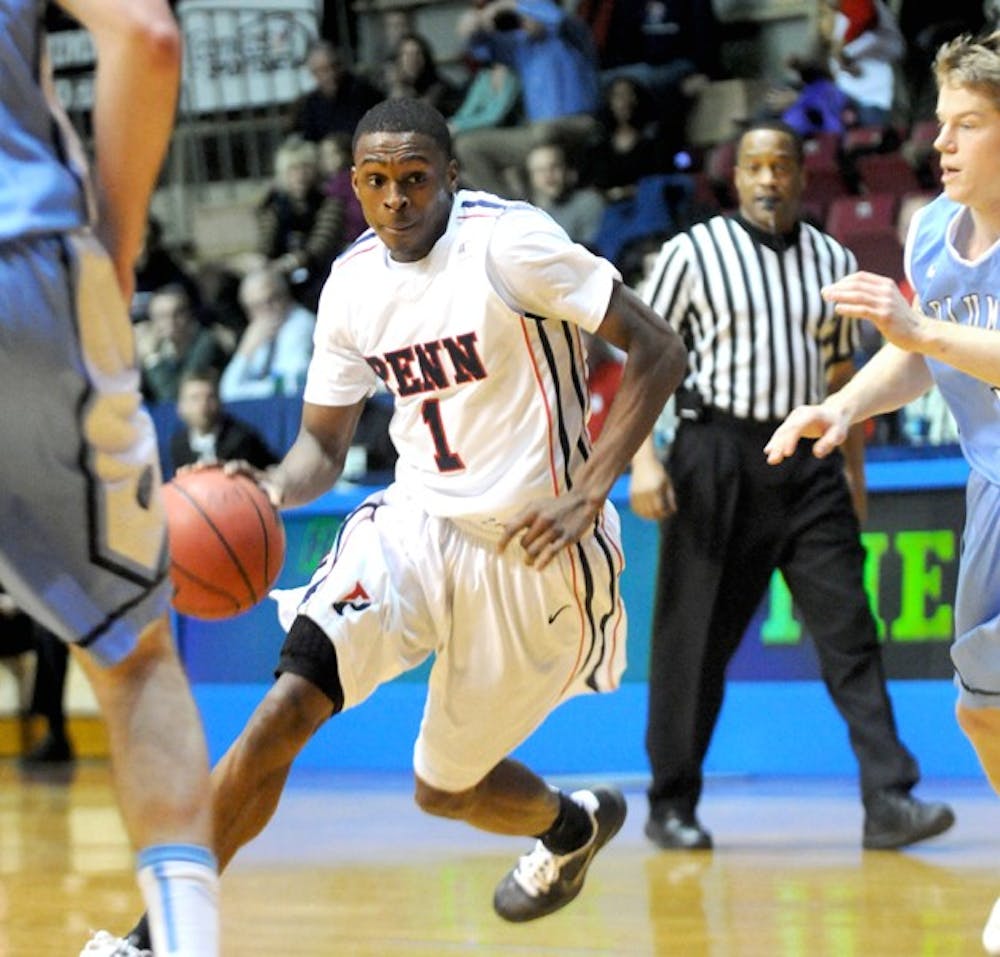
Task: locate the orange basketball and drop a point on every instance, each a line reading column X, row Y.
column 227, row 542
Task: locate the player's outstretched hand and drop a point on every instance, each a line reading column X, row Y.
column 263, row 477
column 550, row 526
column 650, row 491
column 807, row 422
column 864, row 295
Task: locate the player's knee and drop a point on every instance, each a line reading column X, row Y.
column 450, row 804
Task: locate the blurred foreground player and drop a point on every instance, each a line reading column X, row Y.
column 83, row 545
column 495, row 549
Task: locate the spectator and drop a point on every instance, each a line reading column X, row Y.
column 671, row 47
column 300, row 229
column 335, row 172
column 412, row 71
column 210, row 434
column 492, row 100
column 20, row 633
column 659, row 43
column 156, row 267
column 273, row 354
column 339, row 99
column 860, row 43
column 172, row 342
column 925, row 26
column 554, row 188
column 866, row 48
column 558, row 77
column 630, row 147
column 221, row 311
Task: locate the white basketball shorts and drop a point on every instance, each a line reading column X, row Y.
column 510, row 642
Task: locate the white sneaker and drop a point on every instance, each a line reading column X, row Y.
column 542, row 882
column 103, row 944
column 991, row 932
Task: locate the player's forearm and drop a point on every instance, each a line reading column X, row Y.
column 888, row 381
column 135, row 99
column 653, row 371
column 970, row 349
column 316, row 459
column 306, row 472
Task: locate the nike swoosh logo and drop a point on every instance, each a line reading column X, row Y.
column 556, row 614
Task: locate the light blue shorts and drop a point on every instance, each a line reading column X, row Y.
column 976, row 651
column 82, row 534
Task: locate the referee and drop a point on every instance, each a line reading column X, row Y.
column 744, row 292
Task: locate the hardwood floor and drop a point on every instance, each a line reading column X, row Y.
column 349, row 867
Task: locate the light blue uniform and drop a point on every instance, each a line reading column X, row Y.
column 954, row 289
column 82, row 535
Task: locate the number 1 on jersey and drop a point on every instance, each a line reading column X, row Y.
column 447, row 461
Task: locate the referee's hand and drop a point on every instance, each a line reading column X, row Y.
column 650, row 491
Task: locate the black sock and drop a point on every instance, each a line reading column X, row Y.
column 138, row 936
column 571, row 829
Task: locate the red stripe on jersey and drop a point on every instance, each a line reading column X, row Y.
column 545, row 405
column 353, row 253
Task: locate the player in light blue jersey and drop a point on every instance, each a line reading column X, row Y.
column 949, row 336
column 83, row 548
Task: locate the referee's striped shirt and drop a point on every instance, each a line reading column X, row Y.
column 760, row 337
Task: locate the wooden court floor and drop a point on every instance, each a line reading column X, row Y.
column 349, row 868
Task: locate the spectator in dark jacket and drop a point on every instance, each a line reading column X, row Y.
column 210, row 434
column 339, row 99
column 301, row 229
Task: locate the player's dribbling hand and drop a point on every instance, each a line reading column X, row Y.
column 807, row 422
column 261, row 476
column 550, row 526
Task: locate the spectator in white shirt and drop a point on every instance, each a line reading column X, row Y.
column 273, row 354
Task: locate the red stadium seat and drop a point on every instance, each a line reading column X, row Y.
column 823, row 186
column 821, row 151
column 908, row 205
column 719, row 163
column 918, row 148
column 850, row 215
column 886, row 173
column 879, row 252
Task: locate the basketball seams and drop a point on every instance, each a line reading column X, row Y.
column 204, row 585
column 227, row 542
column 266, row 523
column 210, row 522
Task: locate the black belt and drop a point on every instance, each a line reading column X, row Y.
column 692, row 408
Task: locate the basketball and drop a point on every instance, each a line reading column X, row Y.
column 226, row 540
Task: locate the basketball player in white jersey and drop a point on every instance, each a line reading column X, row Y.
column 83, row 548
column 949, row 336
column 495, row 549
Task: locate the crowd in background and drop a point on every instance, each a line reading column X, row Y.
column 585, row 114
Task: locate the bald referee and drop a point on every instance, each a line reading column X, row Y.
column 744, row 293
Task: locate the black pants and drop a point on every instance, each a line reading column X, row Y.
column 738, row 519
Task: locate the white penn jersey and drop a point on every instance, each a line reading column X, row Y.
column 479, row 343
